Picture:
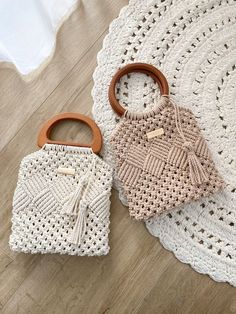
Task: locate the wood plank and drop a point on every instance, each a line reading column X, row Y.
column 39, row 273
column 138, row 275
column 185, row 291
column 15, row 274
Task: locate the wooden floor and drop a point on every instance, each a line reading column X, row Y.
column 138, row 276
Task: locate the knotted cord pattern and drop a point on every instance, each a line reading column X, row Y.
column 60, row 213
column 156, row 174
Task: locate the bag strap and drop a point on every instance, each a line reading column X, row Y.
column 44, row 134
column 145, row 68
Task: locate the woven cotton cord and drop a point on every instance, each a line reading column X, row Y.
column 198, row 174
column 77, row 206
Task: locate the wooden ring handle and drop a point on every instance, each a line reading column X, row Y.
column 44, row 134
column 145, row 68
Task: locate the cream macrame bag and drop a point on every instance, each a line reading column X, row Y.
column 162, row 159
column 61, row 202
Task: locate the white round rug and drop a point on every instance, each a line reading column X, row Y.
column 193, row 43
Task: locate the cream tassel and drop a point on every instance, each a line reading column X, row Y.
column 80, row 225
column 77, row 206
column 197, row 173
column 71, row 206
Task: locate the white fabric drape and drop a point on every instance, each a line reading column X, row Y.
column 28, row 30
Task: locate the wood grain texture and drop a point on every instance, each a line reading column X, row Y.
column 138, row 276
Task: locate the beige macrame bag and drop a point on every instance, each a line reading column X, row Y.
column 61, row 202
column 162, row 159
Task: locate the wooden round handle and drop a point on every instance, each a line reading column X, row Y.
column 44, row 134
column 145, row 68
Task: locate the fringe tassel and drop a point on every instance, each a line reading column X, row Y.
column 71, row 206
column 198, row 175
column 77, row 206
column 80, row 226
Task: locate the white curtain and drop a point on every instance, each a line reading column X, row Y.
column 28, row 30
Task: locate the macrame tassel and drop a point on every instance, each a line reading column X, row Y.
column 80, row 225
column 71, row 207
column 198, row 174
column 77, row 206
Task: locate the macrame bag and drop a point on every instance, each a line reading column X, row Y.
column 61, row 202
column 161, row 157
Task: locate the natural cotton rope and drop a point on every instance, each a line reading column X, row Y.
column 162, row 172
column 62, row 213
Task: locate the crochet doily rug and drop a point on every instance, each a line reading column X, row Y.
column 193, row 43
